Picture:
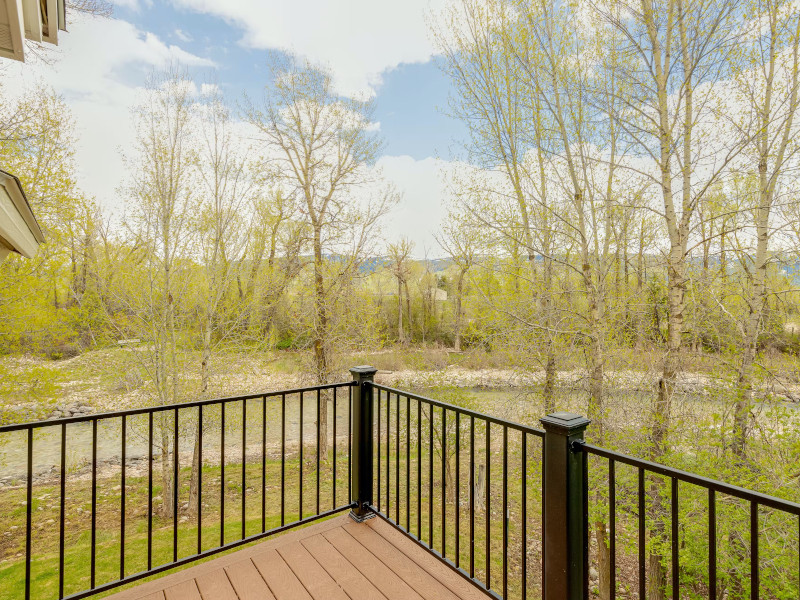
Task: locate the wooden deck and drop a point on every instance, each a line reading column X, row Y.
column 336, row 559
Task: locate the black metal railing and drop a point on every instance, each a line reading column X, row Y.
column 475, row 523
column 268, row 424
column 540, row 544
column 651, row 482
column 506, row 505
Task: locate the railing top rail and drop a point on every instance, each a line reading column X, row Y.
column 698, row 480
column 168, row 407
column 461, row 410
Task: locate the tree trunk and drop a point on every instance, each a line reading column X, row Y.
column 205, row 358
column 459, row 293
column 400, row 336
column 204, row 383
column 166, row 469
column 661, row 416
column 321, row 341
column 550, row 374
column 194, row 487
column 408, row 312
column 641, row 319
column 766, row 185
column 603, row 560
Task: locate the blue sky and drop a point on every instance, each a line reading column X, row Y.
column 379, row 49
column 409, row 104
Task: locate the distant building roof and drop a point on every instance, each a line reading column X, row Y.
column 19, row 230
column 36, row 20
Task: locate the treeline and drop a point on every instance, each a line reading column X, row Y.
column 224, row 239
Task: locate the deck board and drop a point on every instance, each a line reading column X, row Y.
column 310, row 573
column 215, row 585
column 455, row 582
column 280, row 577
column 336, row 559
column 352, row 581
column 247, row 581
column 425, row 584
column 186, row 590
column 383, row 578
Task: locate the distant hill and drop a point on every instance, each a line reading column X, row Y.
column 376, row 263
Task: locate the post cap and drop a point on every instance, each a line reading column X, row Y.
column 565, row 422
column 363, row 371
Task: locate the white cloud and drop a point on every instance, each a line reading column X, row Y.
column 85, row 71
column 359, row 40
column 183, row 36
column 421, row 210
column 130, row 4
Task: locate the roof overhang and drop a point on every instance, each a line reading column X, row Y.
column 19, row 231
column 37, row 20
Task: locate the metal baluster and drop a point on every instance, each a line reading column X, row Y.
column 419, row 468
column 62, row 515
column 263, row 464
column 675, row 556
column 488, row 506
column 335, row 416
column 444, row 482
column 397, row 461
column 754, row 574
column 472, row 496
column 505, row 511
column 300, row 464
column 200, row 479
column 149, row 490
column 712, row 544
column 222, row 481
column 584, row 488
column 408, row 463
column 457, row 491
column 318, row 442
column 543, row 533
column 349, row 442
column 430, row 476
column 283, row 459
column 612, row 520
column 378, row 444
column 388, row 453
column 122, row 500
column 244, row 469
column 94, row 503
column 525, row 515
column 642, row 574
column 29, row 516
column 175, row 488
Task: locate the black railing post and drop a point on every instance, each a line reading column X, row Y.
column 361, row 473
column 566, row 549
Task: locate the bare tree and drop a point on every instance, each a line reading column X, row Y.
column 225, row 189
column 161, row 192
column 768, row 89
column 675, row 51
column 460, row 239
column 323, row 146
column 400, row 255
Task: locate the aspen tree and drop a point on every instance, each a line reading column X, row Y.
column 321, row 147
